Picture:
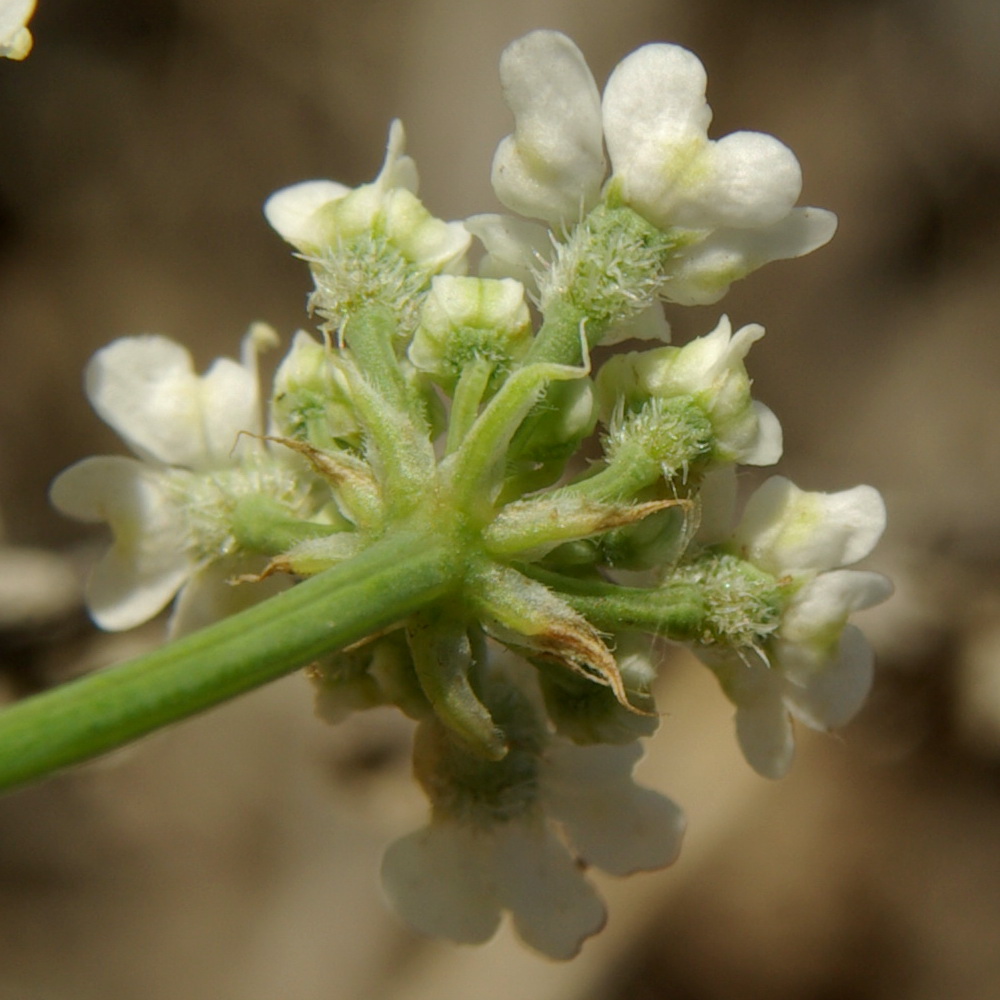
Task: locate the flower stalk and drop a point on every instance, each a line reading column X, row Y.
column 399, row 574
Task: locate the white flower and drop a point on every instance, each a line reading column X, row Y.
column 814, row 666
column 15, row 39
column 455, row 877
column 734, row 195
column 710, row 369
column 318, row 216
column 169, row 510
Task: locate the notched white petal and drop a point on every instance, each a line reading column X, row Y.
column 746, row 180
column 146, row 388
column 554, row 908
column 786, row 530
column 834, row 695
column 291, row 212
column 612, row 823
column 147, row 563
column 552, row 166
column 654, row 101
column 440, row 881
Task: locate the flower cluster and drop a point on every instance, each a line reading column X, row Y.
column 434, row 413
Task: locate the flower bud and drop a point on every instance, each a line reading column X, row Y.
column 311, row 402
column 465, row 319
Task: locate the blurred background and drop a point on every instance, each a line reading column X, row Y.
column 235, row 857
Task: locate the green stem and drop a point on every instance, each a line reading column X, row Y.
column 676, row 611
column 624, row 477
column 397, row 575
column 487, row 440
column 369, row 335
column 558, row 341
column 391, row 415
column 558, row 338
column 466, row 399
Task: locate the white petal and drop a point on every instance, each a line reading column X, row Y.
column 147, row 563
column 439, row 880
column 833, row 696
column 829, row 599
column 146, row 389
column 650, row 324
column 515, row 248
column 15, row 39
column 763, row 727
column 745, row 180
column 398, row 170
column 433, row 243
column 800, row 232
column 654, row 102
column 785, row 529
column 767, row 448
column 707, row 269
column 764, row 732
column 612, row 823
column 213, row 593
column 704, row 362
column 554, row 907
column 14, row 14
column 230, row 406
column 552, row 166
column 143, row 387
column 291, row 211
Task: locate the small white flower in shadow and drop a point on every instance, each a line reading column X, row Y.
column 168, row 509
column 563, row 808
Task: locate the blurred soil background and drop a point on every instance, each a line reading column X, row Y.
column 235, row 857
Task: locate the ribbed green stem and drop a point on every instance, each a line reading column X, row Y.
column 630, row 471
column 558, row 338
column 397, row 575
column 466, row 400
column 675, row 610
